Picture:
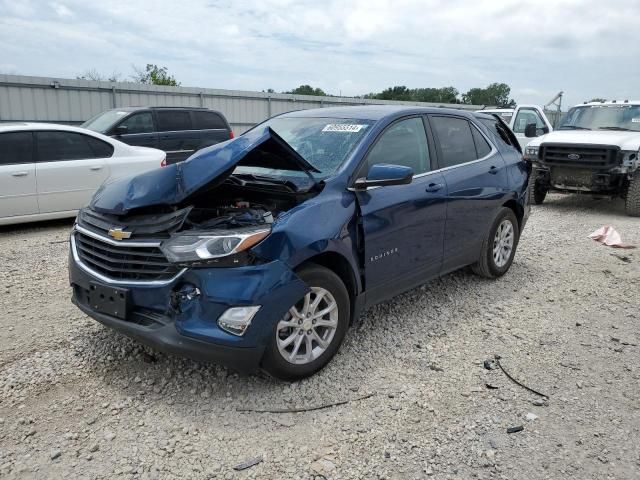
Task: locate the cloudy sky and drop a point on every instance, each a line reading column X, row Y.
column 588, row 48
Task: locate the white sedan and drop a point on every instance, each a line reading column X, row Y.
column 50, row 171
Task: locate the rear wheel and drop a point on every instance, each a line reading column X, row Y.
column 310, row 333
column 499, row 246
column 632, row 201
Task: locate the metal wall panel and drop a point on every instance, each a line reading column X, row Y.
column 62, row 100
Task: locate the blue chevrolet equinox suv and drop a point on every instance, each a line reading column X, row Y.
column 259, row 252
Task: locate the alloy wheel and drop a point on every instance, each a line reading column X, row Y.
column 503, row 243
column 307, row 329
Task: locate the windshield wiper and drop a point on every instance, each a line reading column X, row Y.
column 620, row 129
column 266, row 179
column 572, row 127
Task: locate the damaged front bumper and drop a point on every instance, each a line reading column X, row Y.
column 180, row 316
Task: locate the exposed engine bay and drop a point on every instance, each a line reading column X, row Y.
column 227, row 207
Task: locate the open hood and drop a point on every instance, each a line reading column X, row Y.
column 204, row 170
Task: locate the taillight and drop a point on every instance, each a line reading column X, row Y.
column 163, row 163
column 231, row 135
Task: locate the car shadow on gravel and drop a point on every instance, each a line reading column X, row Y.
column 47, row 226
column 568, row 203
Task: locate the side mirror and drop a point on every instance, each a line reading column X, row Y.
column 545, row 130
column 121, row 130
column 530, row 130
column 383, row 175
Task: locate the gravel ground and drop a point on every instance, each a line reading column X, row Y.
column 80, row 401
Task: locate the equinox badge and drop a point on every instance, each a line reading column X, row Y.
column 118, row 233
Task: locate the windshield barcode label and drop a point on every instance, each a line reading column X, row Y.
column 343, row 127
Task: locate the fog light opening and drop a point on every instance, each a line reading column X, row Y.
column 236, row 320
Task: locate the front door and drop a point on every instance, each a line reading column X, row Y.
column 523, row 117
column 18, row 195
column 70, row 167
column 476, row 179
column 403, row 225
column 140, row 130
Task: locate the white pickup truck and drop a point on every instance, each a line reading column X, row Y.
column 596, row 149
column 518, row 118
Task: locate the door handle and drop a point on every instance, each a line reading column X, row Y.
column 493, row 170
column 434, row 187
column 95, row 168
column 20, row 174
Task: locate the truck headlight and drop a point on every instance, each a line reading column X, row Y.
column 531, row 152
column 198, row 246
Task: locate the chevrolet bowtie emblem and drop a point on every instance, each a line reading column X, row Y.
column 118, row 234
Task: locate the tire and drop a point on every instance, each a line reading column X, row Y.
column 632, row 201
column 301, row 364
column 487, row 266
column 537, row 192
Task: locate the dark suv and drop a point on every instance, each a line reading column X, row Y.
column 178, row 131
column 260, row 251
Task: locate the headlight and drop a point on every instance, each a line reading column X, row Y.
column 531, row 152
column 198, row 246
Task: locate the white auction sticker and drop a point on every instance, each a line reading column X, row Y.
column 343, row 127
column 635, row 120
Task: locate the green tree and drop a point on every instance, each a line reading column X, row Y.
column 154, row 75
column 307, row 90
column 496, row 94
column 435, row 95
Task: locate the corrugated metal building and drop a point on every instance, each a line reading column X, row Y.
column 60, row 100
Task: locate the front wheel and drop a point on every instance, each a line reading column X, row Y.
column 499, row 246
column 310, row 333
column 537, row 191
column 632, row 200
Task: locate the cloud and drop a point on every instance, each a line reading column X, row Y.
column 582, row 47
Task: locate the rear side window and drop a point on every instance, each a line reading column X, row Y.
column 139, row 123
column 497, row 129
column 482, row 146
column 173, row 120
column 16, row 147
column 404, row 143
column 203, row 120
column 57, row 146
column 455, row 139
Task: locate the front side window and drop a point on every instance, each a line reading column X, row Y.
column 57, row 146
column 525, row 117
column 139, row 123
column 16, row 148
column 103, row 122
column 404, row 143
column 455, row 139
column 173, row 120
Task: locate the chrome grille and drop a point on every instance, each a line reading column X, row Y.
column 123, row 262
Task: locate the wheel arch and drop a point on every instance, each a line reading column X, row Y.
column 339, row 265
column 517, row 209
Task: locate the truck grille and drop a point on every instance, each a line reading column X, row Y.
column 123, row 262
column 589, row 156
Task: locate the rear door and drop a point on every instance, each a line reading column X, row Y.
column 70, row 167
column 213, row 128
column 18, row 194
column 176, row 134
column 141, row 130
column 404, row 224
column 476, row 178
